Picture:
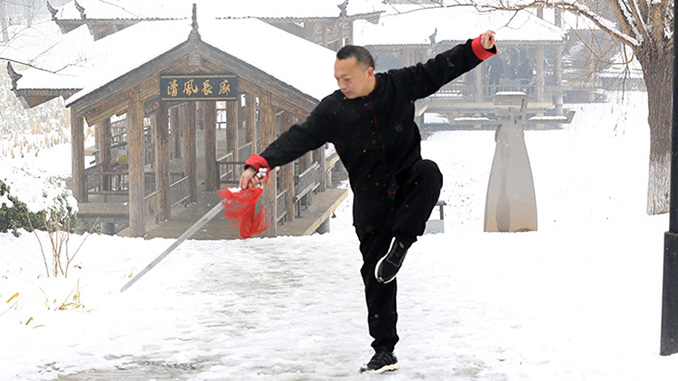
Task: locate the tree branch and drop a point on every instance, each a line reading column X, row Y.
column 29, row 65
column 603, row 24
column 422, row 7
column 638, row 21
column 661, row 18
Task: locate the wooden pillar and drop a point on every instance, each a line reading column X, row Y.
column 135, row 160
column 190, row 154
column 175, row 128
column 323, row 169
column 78, row 156
column 251, row 116
column 267, row 128
column 210, row 121
column 540, row 73
column 267, row 137
column 162, row 158
column 325, row 35
column 105, row 151
column 232, row 128
column 558, row 72
column 350, row 28
column 287, row 174
column 340, row 43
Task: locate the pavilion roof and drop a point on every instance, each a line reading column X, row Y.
column 77, row 61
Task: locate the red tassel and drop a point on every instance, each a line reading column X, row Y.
column 241, row 206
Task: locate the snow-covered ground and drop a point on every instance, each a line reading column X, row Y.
column 580, row 299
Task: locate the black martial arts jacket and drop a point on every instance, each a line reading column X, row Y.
column 375, row 136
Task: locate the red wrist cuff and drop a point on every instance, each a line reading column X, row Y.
column 479, row 51
column 257, row 162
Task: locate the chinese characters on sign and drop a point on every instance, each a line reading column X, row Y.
column 198, row 87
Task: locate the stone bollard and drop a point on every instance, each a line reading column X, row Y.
column 511, row 204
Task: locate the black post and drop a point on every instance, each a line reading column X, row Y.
column 669, row 334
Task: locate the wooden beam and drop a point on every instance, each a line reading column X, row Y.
column 210, row 118
column 78, row 156
column 135, row 160
column 163, row 160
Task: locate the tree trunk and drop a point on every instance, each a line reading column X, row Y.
column 658, row 73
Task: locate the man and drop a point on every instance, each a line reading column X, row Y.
column 370, row 121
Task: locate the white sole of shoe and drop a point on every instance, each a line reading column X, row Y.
column 376, row 271
column 385, row 368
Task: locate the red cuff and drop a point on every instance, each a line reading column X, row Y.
column 257, row 162
column 481, row 52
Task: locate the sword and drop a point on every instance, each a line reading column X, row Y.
column 187, row 234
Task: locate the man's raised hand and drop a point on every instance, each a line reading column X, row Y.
column 487, row 39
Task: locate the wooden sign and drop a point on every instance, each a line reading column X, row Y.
column 198, row 87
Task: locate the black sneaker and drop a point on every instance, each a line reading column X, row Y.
column 388, row 266
column 381, row 362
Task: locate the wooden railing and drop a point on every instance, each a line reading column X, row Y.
column 179, row 191
column 304, row 184
column 490, row 90
column 454, row 90
column 306, row 181
column 228, row 170
column 462, row 92
column 93, row 177
column 153, row 205
column 106, row 183
column 245, row 151
column 178, row 194
column 282, row 202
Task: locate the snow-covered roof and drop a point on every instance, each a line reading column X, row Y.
column 150, row 9
column 415, row 25
column 298, row 62
column 87, row 64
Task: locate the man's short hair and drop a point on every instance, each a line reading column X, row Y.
column 361, row 55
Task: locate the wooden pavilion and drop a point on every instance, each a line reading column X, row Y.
column 162, row 110
column 525, row 40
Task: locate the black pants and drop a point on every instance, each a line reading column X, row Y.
column 415, row 199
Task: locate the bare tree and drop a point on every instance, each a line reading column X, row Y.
column 646, row 27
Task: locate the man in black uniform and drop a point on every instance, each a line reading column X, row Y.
column 370, row 121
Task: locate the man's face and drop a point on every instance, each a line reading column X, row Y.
column 354, row 80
